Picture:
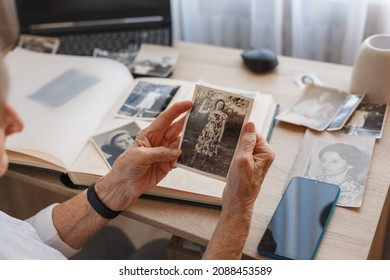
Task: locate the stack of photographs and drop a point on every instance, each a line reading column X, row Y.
column 323, row 108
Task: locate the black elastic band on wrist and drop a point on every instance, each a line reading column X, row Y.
column 99, row 206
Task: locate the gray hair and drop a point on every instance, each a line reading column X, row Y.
column 9, row 31
column 9, row 26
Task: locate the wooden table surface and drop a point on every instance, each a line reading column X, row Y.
column 351, row 234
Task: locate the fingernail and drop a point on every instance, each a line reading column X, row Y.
column 175, row 152
column 250, row 127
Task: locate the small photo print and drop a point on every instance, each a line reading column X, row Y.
column 212, row 131
column 307, row 78
column 113, row 143
column 39, row 43
column 336, row 158
column 154, row 61
column 348, row 109
column 125, row 57
column 147, row 100
column 316, row 108
column 367, row 120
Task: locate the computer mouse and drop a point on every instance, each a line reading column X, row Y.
column 260, row 60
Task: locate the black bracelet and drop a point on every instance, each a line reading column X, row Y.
column 98, row 205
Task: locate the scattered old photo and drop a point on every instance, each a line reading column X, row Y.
column 307, row 78
column 337, row 158
column 348, row 109
column 154, row 61
column 147, row 100
column 39, row 43
column 212, row 131
column 367, row 119
column 113, row 143
column 316, row 108
column 125, row 57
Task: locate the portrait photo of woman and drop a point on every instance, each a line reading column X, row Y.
column 342, row 164
column 336, row 158
column 113, row 143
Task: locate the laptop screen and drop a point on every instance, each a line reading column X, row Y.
column 46, row 14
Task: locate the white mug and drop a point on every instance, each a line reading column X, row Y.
column 371, row 70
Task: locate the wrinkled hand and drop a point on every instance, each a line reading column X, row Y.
column 249, row 167
column 145, row 164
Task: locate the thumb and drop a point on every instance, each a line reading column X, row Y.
column 161, row 154
column 248, row 138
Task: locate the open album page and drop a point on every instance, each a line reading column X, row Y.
column 62, row 100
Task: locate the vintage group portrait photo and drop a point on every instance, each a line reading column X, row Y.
column 147, row 100
column 212, row 131
column 111, row 144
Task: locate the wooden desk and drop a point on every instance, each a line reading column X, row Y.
column 352, row 233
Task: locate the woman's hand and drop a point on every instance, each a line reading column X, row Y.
column 249, row 166
column 145, row 164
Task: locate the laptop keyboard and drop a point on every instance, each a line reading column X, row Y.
column 84, row 44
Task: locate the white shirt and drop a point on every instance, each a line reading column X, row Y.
column 35, row 238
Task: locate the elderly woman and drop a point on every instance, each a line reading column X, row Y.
column 60, row 230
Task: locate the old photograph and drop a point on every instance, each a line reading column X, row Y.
column 113, row 143
column 316, row 108
column 39, row 43
column 147, row 100
column 336, row 158
column 349, row 107
column 368, row 119
column 212, row 131
column 126, row 57
column 154, row 62
column 307, row 78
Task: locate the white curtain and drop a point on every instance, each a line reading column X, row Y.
column 326, row 30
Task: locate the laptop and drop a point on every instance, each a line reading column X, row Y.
column 110, row 25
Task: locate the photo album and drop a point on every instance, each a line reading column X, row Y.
column 81, row 113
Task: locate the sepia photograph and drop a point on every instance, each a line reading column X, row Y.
column 336, row 158
column 147, row 100
column 367, row 120
column 212, row 131
column 316, row 108
column 39, row 43
column 113, row 143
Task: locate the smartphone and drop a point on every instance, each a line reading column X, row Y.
column 300, row 220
